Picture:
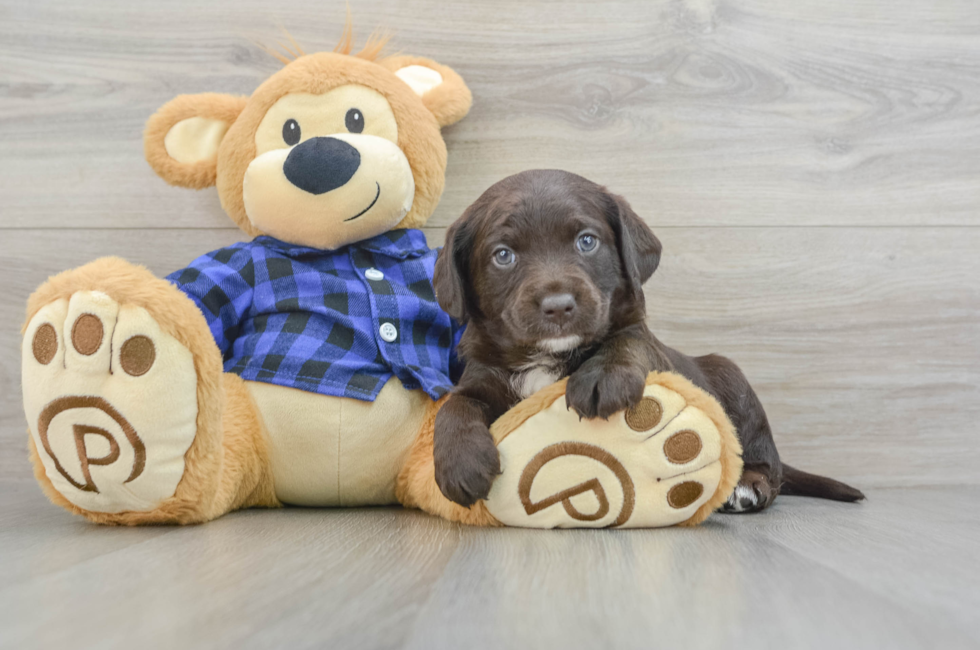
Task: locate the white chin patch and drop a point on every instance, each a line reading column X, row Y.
column 560, row 344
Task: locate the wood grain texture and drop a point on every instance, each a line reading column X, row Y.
column 702, row 112
column 805, row 574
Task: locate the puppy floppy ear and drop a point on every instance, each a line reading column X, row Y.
column 451, row 277
column 181, row 140
column 442, row 91
column 639, row 248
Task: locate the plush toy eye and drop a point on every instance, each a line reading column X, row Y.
column 354, row 121
column 587, row 242
column 290, row 132
column 504, row 256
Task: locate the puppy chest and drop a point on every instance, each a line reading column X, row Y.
column 530, row 381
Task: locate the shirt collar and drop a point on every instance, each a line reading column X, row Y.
column 399, row 244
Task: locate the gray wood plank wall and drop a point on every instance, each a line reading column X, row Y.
column 812, row 168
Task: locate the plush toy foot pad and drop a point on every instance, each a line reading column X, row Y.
column 111, row 401
column 666, row 461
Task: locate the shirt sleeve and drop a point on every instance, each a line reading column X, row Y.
column 221, row 283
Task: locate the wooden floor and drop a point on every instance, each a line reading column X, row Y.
column 813, row 170
column 899, row 571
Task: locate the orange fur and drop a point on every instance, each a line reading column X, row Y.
column 371, row 51
column 210, row 105
column 227, row 465
column 450, row 101
column 418, row 129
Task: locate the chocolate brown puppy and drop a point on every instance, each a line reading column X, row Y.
column 546, row 268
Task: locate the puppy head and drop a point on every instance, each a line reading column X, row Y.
column 546, row 260
column 332, row 149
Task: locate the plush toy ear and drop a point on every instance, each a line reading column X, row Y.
column 182, row 138
column 442, row 91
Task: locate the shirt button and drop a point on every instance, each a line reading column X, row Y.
column 389, row 332
column 374, row 275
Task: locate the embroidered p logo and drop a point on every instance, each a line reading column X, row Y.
column 564, row 497
column 82, row 432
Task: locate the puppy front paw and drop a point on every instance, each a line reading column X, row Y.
column 466, row 464
column 594, row 391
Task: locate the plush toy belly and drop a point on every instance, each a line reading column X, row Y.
column 338, row 451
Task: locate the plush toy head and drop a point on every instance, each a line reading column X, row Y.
column 332, row 149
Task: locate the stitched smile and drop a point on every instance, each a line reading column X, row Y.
column 370, row 206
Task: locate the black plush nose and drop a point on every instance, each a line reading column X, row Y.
column 321, row 164
column 558, row 307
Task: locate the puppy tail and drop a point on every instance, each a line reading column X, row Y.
column 803, row 484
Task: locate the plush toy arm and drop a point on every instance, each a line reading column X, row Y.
column 222, row 284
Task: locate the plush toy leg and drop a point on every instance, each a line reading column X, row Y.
column 132, row 420
column 672, row 460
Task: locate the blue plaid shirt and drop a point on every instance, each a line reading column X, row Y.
column 336, row 322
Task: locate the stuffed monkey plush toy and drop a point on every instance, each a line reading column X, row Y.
column 306, row 366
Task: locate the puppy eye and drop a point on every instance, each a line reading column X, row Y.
column 290, row 132
column 504, row 257
column 354, row 121
column 587, row 243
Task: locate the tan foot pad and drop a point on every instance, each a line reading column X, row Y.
column 111, row 400
column 672, row 459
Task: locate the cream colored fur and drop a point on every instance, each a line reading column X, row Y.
column 227, row 464
column 195, row 139
column 730, row 455
column 381, row 192
column 338, row 451
column 649, row 473
column 164, row 417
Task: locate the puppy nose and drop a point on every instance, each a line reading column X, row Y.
column 558, row 307
column 321, row 164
